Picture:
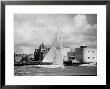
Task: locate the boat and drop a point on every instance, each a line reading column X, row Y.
column 54, row 56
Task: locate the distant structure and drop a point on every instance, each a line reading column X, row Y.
column 86, row 55
column 90, row 55
column 36, row 55
column 18, row 57
column 65, row 51
column 40, row 53
column 83, row 55
column 79, row 54
column 83, row 47
column 71, row 56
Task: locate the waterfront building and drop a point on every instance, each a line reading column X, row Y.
column 86, row 55
column 40, row 53
column 79, row 54
column 65, row 53
column 90, row 55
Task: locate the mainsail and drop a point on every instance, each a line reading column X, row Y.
column 54, row 55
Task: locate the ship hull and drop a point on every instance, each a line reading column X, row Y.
column 50, row 66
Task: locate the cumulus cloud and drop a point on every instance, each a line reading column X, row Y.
column 32, row 29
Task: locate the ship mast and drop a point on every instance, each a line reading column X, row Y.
column 59, row 37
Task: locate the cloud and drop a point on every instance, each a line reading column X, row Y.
column 82, row 32
column 31, row 30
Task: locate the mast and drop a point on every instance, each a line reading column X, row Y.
column 59, row 29
column 59, row 38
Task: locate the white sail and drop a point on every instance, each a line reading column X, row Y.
column 50, row 56
column 54, row 55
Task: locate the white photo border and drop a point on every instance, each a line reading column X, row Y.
column 100, row 79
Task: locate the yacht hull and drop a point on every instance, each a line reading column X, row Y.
column 50, row 66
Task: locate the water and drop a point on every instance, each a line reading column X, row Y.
column 32, row 70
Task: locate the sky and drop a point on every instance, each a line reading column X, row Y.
column 30, row 30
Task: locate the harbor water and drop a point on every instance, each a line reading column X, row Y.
column 32, row 70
